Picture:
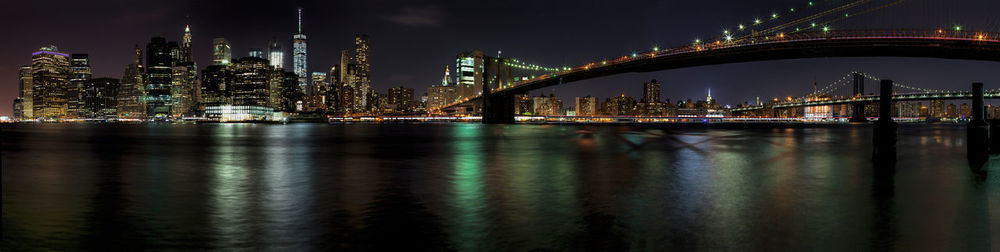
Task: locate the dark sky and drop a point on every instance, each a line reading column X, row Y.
column 412, row 41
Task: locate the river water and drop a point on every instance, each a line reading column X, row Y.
column 473, row 187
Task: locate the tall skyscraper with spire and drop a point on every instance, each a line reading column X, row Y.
column 709, row 99
column 186, row 53
column 299, row 55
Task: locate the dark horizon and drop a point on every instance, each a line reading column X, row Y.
column 412, row 41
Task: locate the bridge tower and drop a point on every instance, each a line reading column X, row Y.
column 978, row 128
column 886, row 130
column 498, row 107
column 858, row 108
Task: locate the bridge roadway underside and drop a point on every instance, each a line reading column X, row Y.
column 820, row 48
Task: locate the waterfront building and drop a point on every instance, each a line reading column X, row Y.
column 317, row 92
column 79, row 67
column 215, row 83
column 964, row 111
column 299, row 55
column 25, row 92
column 937, row 109
column 586, row 106
column 222, row 51
column 523, row 105
column 547, row 105
column 49, row 80
column 183, row 91
column 132, row 90
column 362, row 71
column 291, row 94
column 251, row 77
column 951, row 111
column 99, row 98
column 400, row 99
column 159, row 77
column 619, row 105
column 333, row 90
column 440, row 96
column 17, row 107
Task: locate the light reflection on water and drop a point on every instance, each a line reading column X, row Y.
column 482, row 187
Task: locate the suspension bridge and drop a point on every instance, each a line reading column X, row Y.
column 833, row 94
column 807, row 36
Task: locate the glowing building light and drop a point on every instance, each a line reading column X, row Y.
column 958, row 28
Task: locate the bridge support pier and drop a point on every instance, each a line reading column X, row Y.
column 978, row 128
column 498, row 108
column 858, row 108
column 886, row 130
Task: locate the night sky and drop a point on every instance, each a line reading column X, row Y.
column 412, row 41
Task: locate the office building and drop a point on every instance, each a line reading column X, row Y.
column 99, row 98
column 79, row 66
column 182, row 90
column 651, row 92
column 469, row 74
column 586, row 106
column 215, row 83
column 440, row 96
column 362, row 70
column 132, row 90
column 159, row 78
column 222, row 51
column 400, row 99
column 50, row 81
column 25, row 92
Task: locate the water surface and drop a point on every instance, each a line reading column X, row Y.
column 485, row 187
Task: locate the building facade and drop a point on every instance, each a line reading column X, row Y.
column 131, row 104
column 50, row 81
column 99, row 98
column 222, row 51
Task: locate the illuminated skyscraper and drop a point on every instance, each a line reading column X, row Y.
column 159, row 77
column 99, row 98
column 276, row 55
column 132, row 91
column 182, row 89
column 447, row 81
column 215, row 83
column 299, row 55
column 469, row 73
column 186, row 52
column 25, row 92
column 222, row 51
column 650, row 92
column 79, row 66
column 363, row 71
column 251, row 78
column 49, row 81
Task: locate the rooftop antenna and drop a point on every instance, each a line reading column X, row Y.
column 300, row 19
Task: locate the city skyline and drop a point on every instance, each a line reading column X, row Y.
column 420, row 22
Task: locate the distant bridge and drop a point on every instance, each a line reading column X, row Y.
column 498, row 107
